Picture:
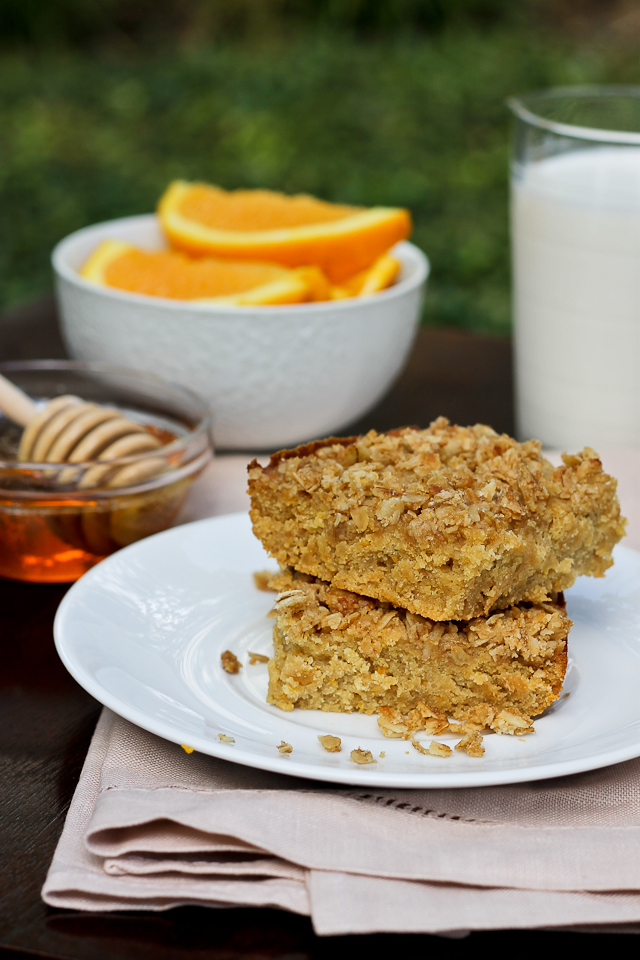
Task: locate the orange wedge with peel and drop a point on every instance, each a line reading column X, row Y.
column 295, row 231
column 378, row 277
column 172, row 274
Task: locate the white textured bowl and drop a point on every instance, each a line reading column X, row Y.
column 274, row 376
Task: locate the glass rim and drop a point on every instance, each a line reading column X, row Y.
column 520, row 107
column 201, row 427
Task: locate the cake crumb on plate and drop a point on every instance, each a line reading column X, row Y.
column 362, row 756
column 230, row 662
column 331, row 744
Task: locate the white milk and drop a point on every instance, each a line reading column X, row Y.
column 576, row 261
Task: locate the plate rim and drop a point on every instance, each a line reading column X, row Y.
column 352, row 776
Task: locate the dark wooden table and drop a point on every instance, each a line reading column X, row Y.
column 46, row 719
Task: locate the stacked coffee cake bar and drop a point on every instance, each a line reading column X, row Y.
column 424, row 569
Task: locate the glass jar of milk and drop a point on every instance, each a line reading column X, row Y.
column 575, row 222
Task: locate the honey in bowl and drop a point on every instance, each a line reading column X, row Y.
column 53, row 527
column 48, row 540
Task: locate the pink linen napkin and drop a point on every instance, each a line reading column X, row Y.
column 151, row 827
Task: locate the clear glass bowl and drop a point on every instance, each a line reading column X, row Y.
column 54, row 524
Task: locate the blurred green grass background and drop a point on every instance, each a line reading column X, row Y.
column 102, row 102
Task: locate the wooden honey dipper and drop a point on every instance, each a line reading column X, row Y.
column 70, row 430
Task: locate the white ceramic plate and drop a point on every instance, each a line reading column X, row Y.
column 143, row 633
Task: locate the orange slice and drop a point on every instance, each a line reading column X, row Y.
column 294, row 231
column 378, row 277
column 317, row 283
column 169, row 273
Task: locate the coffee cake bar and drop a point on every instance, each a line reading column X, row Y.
column 341, row 652
column 449, row 522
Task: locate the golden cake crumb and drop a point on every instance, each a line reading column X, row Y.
column 230, row 662
column 225, row 739
column 285, row 747
column 257, row 658
column 186, row 748
column 471, row 743
column 439, row 749
column 330, row 743
column 261, row 579
column 511, row 722
column 362, row 756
